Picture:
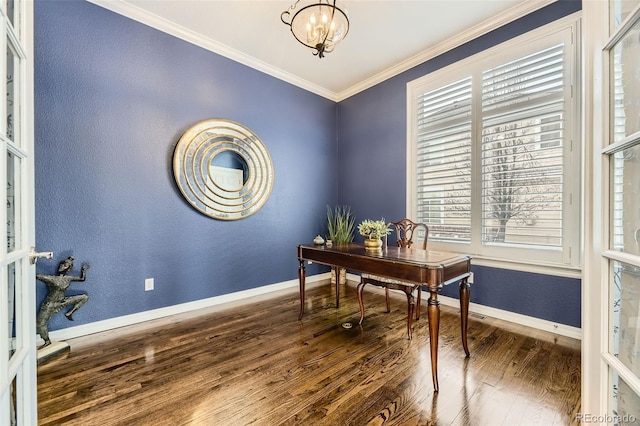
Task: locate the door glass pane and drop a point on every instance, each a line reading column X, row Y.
column 625, row 403
column 625, row 193
column 13, row 403
column 620, row 9
column 625, row 92
column 625, row 315
column 11, row 284
column 11, row 89
column 11, row 10
column 12, row 202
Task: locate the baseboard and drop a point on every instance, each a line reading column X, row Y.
column 249, row 296
column 527, row 321
column 240, row 297
column 524, row 320
column 52, row 350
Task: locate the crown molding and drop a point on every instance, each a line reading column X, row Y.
column 133, row 12
column 147, row 18
column 472, row 33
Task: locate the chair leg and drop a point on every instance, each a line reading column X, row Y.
column 386, row 292
column 418, row 303
column 359, row 292
column 410, row 308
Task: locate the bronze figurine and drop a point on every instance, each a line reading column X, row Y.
column 56, row 299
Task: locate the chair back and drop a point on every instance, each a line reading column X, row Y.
column 405, row 231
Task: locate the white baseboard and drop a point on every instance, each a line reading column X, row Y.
column 524, row 320
column 527, row 321
column 245, row 296
column 248, row 296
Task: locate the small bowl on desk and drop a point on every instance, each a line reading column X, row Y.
column 318, row 240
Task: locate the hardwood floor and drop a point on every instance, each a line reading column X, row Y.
column 257, row 364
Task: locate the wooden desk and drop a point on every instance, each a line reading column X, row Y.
column 432, row 269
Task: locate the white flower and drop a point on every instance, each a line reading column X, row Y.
column 374, row 228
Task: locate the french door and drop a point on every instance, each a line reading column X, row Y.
column 621, row 251
column 17, row 275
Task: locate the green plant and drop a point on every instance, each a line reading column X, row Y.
column 340, row 224
column 374, row 228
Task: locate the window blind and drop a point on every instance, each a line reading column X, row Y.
column 444, row 161
column 523, row 124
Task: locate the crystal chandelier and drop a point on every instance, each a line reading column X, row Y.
column 320, row 25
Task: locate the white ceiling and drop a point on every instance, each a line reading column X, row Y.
column 384, row 39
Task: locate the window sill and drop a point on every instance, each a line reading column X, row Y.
column 546, row 269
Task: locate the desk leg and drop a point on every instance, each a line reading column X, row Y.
column 464, row 313
column 301, row 279
column 359, row 289
column 433, row 313
column 337, row 275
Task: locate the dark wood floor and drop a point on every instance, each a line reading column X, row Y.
column 257, row 364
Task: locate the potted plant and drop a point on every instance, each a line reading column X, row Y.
column 340, row 230
column 373, row 231
column 340, row 224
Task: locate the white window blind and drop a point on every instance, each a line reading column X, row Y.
column 493, row 168
column 444, row 161
column 523, row 105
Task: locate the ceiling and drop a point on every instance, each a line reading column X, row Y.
column 384, row 39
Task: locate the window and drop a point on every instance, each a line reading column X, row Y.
column 493, row 151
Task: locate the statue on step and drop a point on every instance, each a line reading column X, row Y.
column 56, row 299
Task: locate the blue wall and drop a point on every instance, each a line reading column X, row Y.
column 113, row 97
column 372, row 141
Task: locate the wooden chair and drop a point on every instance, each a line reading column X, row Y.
column 405, row 230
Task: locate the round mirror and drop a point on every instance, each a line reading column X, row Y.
column 223, row 169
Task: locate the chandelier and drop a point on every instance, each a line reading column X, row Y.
column 320, row 25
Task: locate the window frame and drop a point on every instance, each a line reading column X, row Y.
column 566, row 258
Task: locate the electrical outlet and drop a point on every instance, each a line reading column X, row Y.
column 148, row 284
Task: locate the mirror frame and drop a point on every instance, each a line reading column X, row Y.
column 192, row 159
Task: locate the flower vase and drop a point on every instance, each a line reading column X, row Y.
column 373, row 244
